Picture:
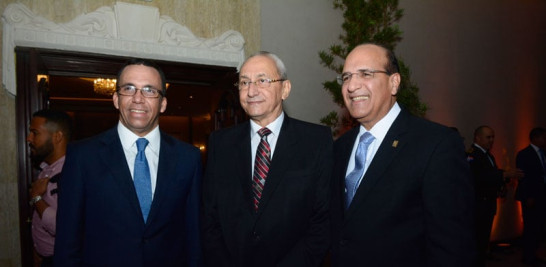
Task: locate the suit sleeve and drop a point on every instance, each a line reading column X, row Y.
column 312, row 248
column 70, row 211
column 448, row 198
column 488, row 179
column 192, row 217
column 214, row 248
column 530, row 186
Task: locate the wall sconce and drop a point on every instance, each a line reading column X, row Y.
column 104, row 86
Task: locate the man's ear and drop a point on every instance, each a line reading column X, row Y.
column 394, row 83
column 286, row 87
column 115, row 99
column 163, row 104
column 57, row 137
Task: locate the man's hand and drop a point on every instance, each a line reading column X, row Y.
column 38, row 187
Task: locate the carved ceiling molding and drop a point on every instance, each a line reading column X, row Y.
column 125, row 30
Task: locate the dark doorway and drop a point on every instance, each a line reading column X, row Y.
column 201, row 98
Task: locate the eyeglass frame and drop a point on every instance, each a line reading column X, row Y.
column 360, row 74
column 159, row 92
column 265, row 83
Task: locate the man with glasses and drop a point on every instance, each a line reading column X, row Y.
column 266, row 188
column 402, row 193
column 130, row 196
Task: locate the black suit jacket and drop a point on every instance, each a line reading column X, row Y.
column 414, row 206
column 291, row 226
column 532, row 184
column 487, row 177
column 99, row 221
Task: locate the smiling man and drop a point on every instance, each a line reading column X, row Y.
column 130, row 196
column 402, row 193
column 266, row 188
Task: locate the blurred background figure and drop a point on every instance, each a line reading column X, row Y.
column 489, row 181
column 531, row 192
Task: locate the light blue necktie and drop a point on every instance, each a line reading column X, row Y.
column 143, row 184
column 351, row 181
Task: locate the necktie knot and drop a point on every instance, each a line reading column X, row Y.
column 141, row 144
column 264, row 132
column 367, row 138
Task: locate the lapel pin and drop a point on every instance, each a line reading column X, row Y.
column 395, row 143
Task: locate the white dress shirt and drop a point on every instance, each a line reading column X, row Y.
column 274, row 127
column 379, row 130
column 128, row 142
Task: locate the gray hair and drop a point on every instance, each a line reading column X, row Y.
column 281, row 69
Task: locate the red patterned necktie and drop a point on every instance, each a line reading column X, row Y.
column 261, row 166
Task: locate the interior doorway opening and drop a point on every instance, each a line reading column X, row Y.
column 201, row 99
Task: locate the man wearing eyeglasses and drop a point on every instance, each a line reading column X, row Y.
column 266, row 188
column 130, row 196
column 402, row 192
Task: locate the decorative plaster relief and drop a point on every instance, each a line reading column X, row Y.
column 125, row 30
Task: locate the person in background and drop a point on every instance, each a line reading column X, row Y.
column 531, row 192
column 266, row 187
column 130, row 196
column 402, row 193
column 489, row 181
column 49, row 133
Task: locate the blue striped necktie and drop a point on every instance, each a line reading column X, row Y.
column 142, row 180
column 351, row 181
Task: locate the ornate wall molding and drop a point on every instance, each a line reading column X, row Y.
column 125, row 30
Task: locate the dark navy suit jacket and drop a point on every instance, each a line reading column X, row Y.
column 99, row 222
column 532, row 184
column 414, row 206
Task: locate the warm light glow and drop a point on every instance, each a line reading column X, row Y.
column 202, row 147
column 42, row 76
column 104, row 86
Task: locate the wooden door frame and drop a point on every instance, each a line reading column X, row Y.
column 27, row 102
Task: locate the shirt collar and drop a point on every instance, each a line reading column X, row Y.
column 380, row 129
column 481, row 148
column 128, row 138
column 54, row 165
column 274, row 127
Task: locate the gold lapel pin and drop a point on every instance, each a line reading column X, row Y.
column 395, row 143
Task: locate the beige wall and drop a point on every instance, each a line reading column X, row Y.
column 205, row 18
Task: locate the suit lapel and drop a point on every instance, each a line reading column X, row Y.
column 286, row 142
column 393, row 142
column 114, row 157
column 243, row 157
column 165, row 170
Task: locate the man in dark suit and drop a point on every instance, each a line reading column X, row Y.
column 130, row 196
column 489, row 181
column 402, row 193
column 266, row 199
column 531, row 192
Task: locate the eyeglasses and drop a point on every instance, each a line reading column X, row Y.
column 361, row 74
column 146, row 91
column 261, row 83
